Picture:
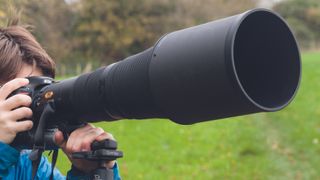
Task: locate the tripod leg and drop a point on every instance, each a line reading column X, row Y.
column 102, row 174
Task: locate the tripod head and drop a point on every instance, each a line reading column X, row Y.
column 101, row 152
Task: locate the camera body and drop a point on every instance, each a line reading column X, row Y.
column 40, row 98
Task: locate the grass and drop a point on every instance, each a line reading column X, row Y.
column 280, row 145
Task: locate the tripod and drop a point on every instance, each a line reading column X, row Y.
column 101, row 152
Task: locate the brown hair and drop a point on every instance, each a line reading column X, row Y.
column 17, row 47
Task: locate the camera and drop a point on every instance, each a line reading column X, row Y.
column 243, row 64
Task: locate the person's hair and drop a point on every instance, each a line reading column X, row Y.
column 18, row 47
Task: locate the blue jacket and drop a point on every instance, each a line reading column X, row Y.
column 17, row 165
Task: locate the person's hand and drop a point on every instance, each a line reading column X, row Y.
column 80, row 140
column 13, row 109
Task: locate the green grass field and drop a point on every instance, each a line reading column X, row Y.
column 280, row 145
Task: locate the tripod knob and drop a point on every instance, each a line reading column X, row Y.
column 105, row 144
column 100, row 151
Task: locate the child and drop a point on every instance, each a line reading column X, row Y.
column 22, row 56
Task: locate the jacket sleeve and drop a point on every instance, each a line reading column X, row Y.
column 75, row 174
column 8, row 158
column 16, row 165
column 24, row 168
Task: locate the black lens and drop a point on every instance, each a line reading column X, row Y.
column 239, row 65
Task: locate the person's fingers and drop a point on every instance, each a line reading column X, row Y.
column 85, row 143
column 84, row 140
column 20, row 113
column 77, row 134
column 12, row 85
column 104, row 136
column 17, row 101
column 59, row 139
column 80, row 130
column 22, row 126
column 110, row 164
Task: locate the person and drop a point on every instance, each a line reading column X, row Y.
column 22, row 56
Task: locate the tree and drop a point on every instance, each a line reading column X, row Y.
column 111, row 30
column 51, row 20
column 200, row 11
column 86, row 34
column 303, row 16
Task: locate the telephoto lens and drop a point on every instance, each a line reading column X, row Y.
column 238, row 65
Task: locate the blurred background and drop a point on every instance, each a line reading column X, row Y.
column 82, row 35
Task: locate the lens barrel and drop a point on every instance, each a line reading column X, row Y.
column 239, row 65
